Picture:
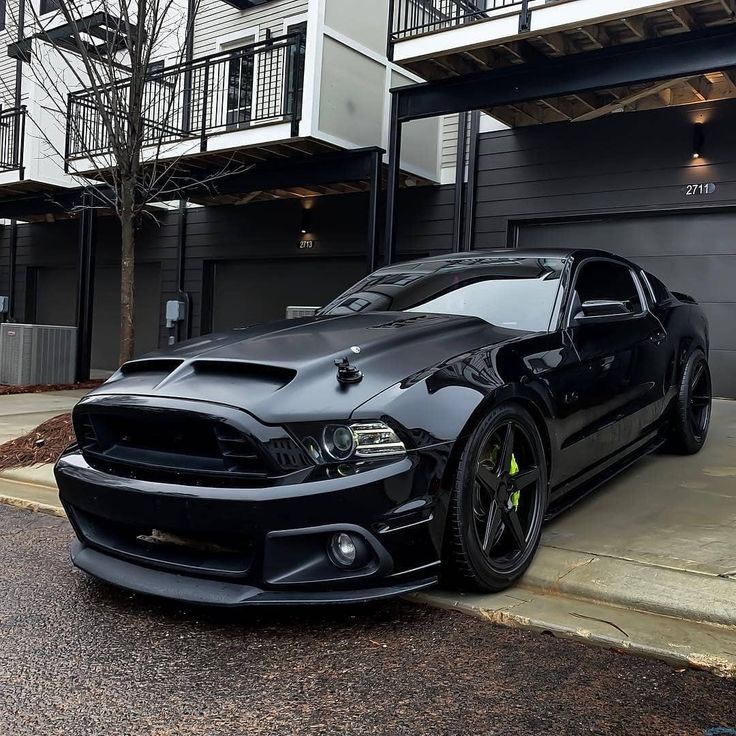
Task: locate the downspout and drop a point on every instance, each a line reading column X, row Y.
column 181, row 262
column 181, row 233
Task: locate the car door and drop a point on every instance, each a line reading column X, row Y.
column 610, row 386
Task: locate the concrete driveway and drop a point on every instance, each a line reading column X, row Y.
column 648, row 562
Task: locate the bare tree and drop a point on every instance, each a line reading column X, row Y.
column 127, row 124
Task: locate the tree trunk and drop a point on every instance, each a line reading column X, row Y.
column 127, row 274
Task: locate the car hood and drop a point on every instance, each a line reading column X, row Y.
column 285, row 371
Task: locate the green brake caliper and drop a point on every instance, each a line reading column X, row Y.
column 516, row 494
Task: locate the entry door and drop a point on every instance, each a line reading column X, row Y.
column 612, row 381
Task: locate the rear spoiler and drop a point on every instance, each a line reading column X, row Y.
column 684, row 297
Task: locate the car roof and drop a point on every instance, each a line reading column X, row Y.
column 562, row 253
column 523, row 253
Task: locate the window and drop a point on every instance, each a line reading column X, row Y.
column 49, row 6
column 660, row 291
column 294, row 77
column 240, row 84
column 607, row 281
column 516, row 293
column 2, row 14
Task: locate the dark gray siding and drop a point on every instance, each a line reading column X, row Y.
column 619, row 184
column 634, row 162
column 55, row 246
column 270, row 231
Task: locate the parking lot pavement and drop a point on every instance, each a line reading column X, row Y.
column 80, row 659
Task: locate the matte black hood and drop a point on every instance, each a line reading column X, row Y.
column 284, row 371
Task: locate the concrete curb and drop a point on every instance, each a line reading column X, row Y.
column 650, row 588
column 678, row 642
column 35, row 506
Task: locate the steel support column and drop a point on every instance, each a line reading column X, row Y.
column 392, row 185
column 12, row 267
column 374, row 200
column 457, row 219
column 85, row 289
column 472, row 184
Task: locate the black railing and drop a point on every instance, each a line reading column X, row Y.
column 417, row 17
column 255, row 85
column 12, row 134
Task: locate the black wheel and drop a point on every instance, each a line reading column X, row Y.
column 498, row 502
column 693, row 406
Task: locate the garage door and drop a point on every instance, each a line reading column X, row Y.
column 245, row 292
column 694, row 253
column 56, row 298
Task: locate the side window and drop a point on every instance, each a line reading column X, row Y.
column 608, row 281
column 661, row 294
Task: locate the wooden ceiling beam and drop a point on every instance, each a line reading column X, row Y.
column 630, row 99
column 637, row 26
column 684, row 17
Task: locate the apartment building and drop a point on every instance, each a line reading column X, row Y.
column 276, row 114
column 620, row 123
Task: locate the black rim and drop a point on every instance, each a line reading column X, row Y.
column 507, row 495
column 699, row 403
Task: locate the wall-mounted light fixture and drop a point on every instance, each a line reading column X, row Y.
column 698, row 140
column 306, row 221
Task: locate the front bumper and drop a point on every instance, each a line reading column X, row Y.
column 258, row 546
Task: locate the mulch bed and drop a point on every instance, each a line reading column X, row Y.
column 42, row 388
column 43, row 444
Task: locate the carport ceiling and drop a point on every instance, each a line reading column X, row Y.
column 661, row 23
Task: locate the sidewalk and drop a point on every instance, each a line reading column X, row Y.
column 647, row 564
column 20, row 413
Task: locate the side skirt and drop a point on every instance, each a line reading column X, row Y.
column 571, row 493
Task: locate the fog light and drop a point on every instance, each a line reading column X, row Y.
column 343, row 550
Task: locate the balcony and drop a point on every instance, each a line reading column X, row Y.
column 419, row 17
column 444, row 39
column 218, row 102
column 12, row 135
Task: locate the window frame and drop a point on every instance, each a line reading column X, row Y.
column 643, row 300
column 48, row 6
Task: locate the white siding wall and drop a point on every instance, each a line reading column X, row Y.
column 217, row 20
column 7, row 65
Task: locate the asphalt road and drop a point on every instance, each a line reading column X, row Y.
column 78, row 658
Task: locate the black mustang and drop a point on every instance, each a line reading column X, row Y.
column 428, row 419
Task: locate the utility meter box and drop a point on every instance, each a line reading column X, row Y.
column 175, row 311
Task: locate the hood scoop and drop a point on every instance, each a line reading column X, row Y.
column 347, row 373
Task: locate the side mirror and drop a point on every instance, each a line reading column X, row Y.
column 603, row 310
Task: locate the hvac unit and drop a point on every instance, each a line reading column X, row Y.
column 36, row 354
column 297, row 312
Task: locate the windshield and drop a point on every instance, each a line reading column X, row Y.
column 516, row 293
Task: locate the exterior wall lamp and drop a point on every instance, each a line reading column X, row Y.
column 698, row 140
column 306, row 221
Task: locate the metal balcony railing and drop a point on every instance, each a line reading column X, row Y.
column 12, row 134
column 255, row 85
column 417, row 17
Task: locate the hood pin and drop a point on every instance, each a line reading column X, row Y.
column 347, row 373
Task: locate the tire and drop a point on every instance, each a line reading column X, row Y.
column 692, row 410
column 498, row 502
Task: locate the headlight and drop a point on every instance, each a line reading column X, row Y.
column 356, row 441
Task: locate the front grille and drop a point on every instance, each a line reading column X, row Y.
column 182, row 447
column 179, row 550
